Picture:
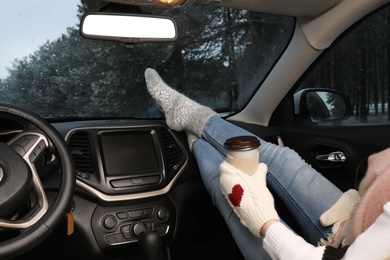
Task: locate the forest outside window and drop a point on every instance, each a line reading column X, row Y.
column 220, row 58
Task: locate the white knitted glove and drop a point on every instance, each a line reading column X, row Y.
column 248, row 196
column 342, row 209
column 338, row 215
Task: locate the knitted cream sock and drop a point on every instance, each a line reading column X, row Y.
column 181, row 113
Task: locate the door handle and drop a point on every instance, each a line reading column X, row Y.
column 337, row 157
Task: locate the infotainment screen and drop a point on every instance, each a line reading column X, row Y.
column 129, row 153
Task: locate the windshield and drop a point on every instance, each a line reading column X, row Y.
column 220, row 58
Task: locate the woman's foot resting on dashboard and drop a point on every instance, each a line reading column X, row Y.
column 181, row 113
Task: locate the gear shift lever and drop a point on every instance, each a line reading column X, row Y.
column 150, row 244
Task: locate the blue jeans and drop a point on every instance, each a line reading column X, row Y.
column 305, row 192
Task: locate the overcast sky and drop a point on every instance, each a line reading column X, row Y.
column 27, row 24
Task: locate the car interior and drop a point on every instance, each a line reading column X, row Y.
column 122, row 185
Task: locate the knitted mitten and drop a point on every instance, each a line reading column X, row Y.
column 181, row 113
column 342, row 209
column 249, row 196
column 338, row 215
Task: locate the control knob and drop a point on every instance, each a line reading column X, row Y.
column 109, row 222
column 162, row 214
column 137, row 228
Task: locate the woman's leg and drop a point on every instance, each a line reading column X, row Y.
column 209, row 159
column 305, row 192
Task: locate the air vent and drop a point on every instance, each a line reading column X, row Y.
column 81, row 152
column 172, row 150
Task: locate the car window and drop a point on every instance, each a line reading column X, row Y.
column 221, row 57
column 358, row 65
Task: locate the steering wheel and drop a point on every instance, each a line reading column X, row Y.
column 19, row 176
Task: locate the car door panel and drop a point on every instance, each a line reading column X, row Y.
column 355, row 142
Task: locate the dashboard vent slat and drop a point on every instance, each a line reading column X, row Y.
column 173, row 153
column 81, row 152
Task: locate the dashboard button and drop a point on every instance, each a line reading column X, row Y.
column 137, row 181
column 148, row 211
column 121, row 183
column 120, row 238
column 111, row 239
column 121, row 215
column 150, row 180
column 135, row 213
column 82, row 175
column 115, row 238
column 125, row 230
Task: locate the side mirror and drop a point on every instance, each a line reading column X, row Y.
column 321, row 105
column 128, row 28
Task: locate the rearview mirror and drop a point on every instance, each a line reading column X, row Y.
column 128, row 28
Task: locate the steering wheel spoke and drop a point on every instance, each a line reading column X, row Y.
column 30, row 145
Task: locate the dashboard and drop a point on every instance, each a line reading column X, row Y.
column 133, row 176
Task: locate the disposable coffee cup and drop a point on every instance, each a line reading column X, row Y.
column 242, row 152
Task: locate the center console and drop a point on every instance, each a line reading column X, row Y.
column 116, row 226
column 127, row 169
